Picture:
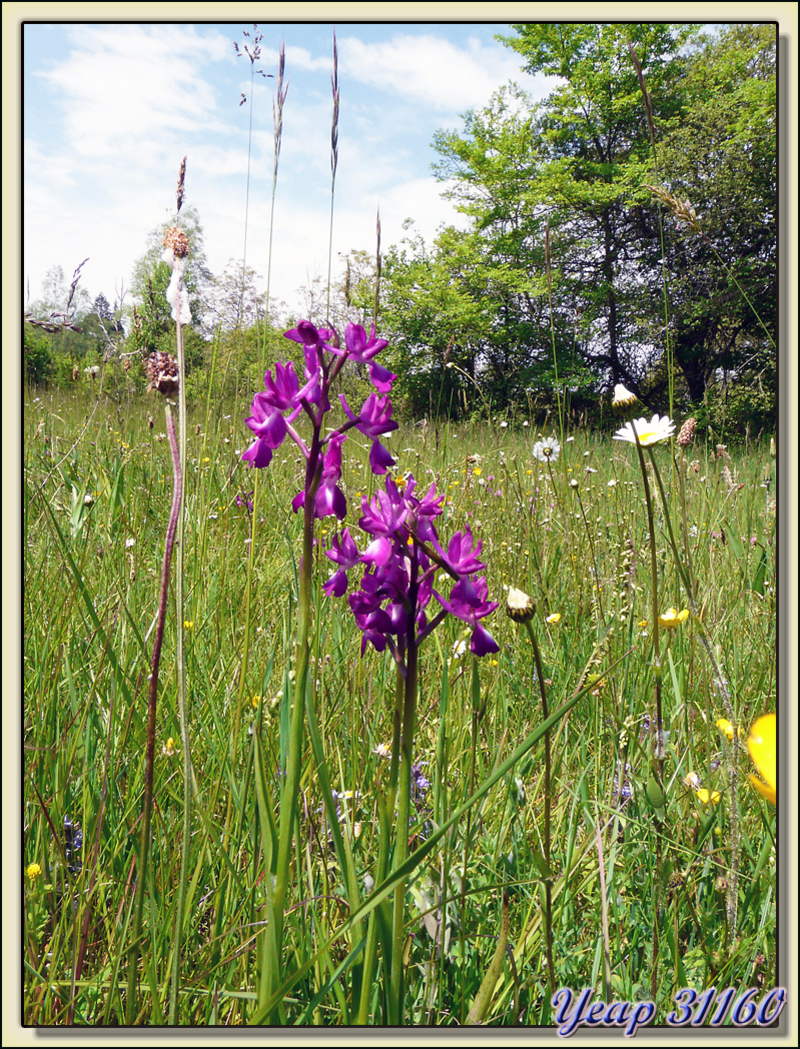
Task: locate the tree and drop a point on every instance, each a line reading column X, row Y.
column 575, row 171
column 60, row 301
column 233, row 300
column 598, row 154
column 102, row 309
column 722, row 158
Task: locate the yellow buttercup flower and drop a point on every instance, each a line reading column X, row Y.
column 762, row 746
column 672, row 619
column 707, row 796
column 725, row 727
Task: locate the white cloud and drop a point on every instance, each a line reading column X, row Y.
column 124, row 103
column 430, row 70
column 123, row 87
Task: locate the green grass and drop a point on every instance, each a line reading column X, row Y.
column 96, row 502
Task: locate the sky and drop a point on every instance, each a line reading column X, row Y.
column 109, row 110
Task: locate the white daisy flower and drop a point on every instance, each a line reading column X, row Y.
column 546, row 450
column 660, row 428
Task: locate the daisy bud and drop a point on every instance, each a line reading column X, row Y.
column 519, row 606
column 623, row 398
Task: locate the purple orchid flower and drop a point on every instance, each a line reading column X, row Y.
column 468, row 603
column 266, row 422
column 385, row 513
column 397, row 585
column 374, row 420
column 460, row 555
column 362, row 351
column 380, row 459
column 344, row 553
column 282, row 392
column 375, row 417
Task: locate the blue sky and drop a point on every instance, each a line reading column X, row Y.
column 110, row 109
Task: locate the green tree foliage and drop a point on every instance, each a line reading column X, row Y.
column 574, row 171
column 37, row 356
column 594, row 133
column 722, row 158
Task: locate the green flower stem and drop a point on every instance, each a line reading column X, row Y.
column 566, row 523
column 291, row 785
column 548, row 883
column 385, row 813
column 403, row 817
column 144, row 845
column 657, row 763
column 597, row 591
column 654, row 602
column 189, row 783
column 732, row 900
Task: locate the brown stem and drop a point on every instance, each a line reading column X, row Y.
column 141, row 878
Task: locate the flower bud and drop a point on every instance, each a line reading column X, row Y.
column 519, row 606
column 623, row 398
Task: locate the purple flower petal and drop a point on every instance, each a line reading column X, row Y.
column 337, row 584
column 381, row 378
column 482, row 642
column 259, row 454
column 379, row 458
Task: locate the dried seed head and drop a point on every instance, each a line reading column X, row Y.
column 687, row 432
column 162, row 373
column 126, row 364
column 181, row 180
column 177, row 241
column 75, row 373
column 681, row 209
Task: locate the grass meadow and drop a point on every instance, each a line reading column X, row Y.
column 643, row 895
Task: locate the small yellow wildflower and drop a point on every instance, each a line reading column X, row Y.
column 206, row 459
column 255, row 700
column 725, row 727
column 34, row 871
column 477, row 471
column 188, row 624
column 672, row 619
column 168, row 750
column 554, row 618
column 763, row 750
column 707, row 797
